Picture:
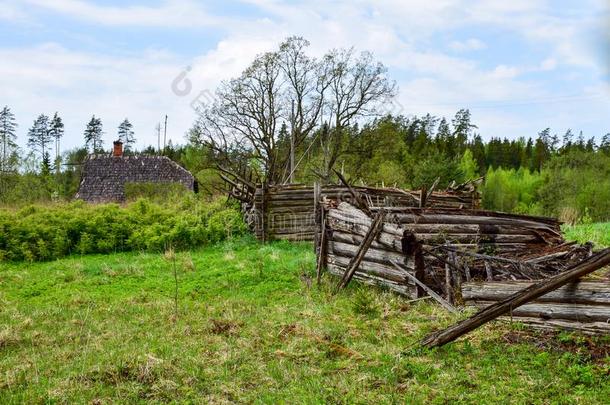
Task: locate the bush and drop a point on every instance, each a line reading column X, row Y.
column 37, row 233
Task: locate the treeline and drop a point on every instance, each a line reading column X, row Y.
column 42, row 171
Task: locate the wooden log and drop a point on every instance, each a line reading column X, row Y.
column 367, row 278
column 374, row 230
column 489, row 271
column 530, row 293
column 590, row 328
column 379, row 270
column 584, row 313
column 353, row 239
column 360, row 203
column 374, row 255
column 322, row 250
column 596, row 292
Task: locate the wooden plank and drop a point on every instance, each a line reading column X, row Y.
column 524, row 296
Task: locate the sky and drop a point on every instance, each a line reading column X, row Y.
column 519, row 65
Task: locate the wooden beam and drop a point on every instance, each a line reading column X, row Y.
column 360, row 203
column 430, row 291
column 524, row 296
column 374, row 230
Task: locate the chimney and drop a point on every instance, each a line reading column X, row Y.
column 118, row 149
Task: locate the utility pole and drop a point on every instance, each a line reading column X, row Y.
column 158, row 128
column 292, row 144
column 165, row 135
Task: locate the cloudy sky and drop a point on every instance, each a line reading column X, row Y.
column 519, row 65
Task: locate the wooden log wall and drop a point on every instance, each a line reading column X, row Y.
column 288, row 211
column 463, row 231
column 346, row 228
column 583, row 306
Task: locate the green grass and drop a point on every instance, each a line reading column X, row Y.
column 253, row 327
column 598, row 233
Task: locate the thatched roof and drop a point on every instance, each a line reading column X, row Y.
column 104, row 177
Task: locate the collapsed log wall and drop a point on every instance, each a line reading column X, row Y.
column 287, row 212
column 582, row 306
column 478, row 232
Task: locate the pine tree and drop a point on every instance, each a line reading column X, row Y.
column 126, row 134
column 580, row 142
column 444, row 139
column 56, row 131
column 568, row 137
column 93, row 135
column 8, row 138
column 39, row 136
column 462, row 127
column 604, row 146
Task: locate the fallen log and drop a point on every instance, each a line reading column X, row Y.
column 530, row 293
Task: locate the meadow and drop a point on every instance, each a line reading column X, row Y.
column 243, row 322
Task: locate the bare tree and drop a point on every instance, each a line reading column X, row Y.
column 250, row 113
column 358, row 87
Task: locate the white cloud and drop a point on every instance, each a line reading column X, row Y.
column 471, row 44
column 171, row 13
column 402, row 34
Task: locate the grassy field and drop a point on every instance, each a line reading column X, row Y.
column 598, row 233
column 251, row 326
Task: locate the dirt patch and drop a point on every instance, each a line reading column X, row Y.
column 595, row 349
column 224, row 327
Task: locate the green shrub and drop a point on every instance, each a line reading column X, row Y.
column 158, row 192
column 37, row 233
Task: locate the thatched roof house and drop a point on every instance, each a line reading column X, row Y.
column 104, row 177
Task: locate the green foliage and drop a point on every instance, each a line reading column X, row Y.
column 157, row 192
column 427, row 170
column 468, row 166
column 48, row 232
column 578, row 181
column 511, row 190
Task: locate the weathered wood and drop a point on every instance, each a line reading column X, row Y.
column 374, row 230
column 322, row 251
column 370, row 279
column 375, row 255
column 430, row 291
column 590, row 328
column 596, row 292
column 360, row 203
column 530, row 293
column 584, row 313
column 381, row 270
column 489, row 271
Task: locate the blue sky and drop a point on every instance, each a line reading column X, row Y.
column 520, row 66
